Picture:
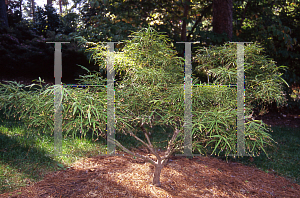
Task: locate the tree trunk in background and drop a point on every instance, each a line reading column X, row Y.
column 222, row 17
column 33, row 10
column 21, row 1
column 60, row 5
column 185, row 16
column 49, row 2
column 3, row 14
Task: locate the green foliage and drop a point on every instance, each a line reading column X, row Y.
column 22, row 52
column 46, row 20
column 263, row 80
column 263, row 84
column 146, row 73
column 272, row 24
column 145, row 62
column 105, row 31
column 275, row 25
column 151, row 94
column 28, row 101
column 69, row 23
column 209, row 38
column 97, row 23
column 159, row 102
column 156, row 62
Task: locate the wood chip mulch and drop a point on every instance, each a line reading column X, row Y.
column 123, row 176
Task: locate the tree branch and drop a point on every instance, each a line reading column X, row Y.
column 205, row 11
column 131, row 153
column 139, row 139
column 149, row 142
column 185, row 15
column 167, row 154
column 171, row 144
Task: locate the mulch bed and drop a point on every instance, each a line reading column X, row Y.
column 118, row 176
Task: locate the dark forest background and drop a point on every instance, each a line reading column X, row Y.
column 25, row 28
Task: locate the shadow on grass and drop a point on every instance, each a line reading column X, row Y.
column 284, row 160
column 20, row 160
column 25, row 154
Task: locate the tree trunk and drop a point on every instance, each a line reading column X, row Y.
column 3, row 14
column 185, row 16
column 157, row 170
column 161, row 160
column 49, row 2
column 21, row 1
column 33, row 10
column 222, row 17
column 60, row 7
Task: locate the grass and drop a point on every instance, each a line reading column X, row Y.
column 283, row 160
column 24, row 153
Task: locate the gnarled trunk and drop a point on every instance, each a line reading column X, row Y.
column 161, row 160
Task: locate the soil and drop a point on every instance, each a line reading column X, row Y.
column 201, row 176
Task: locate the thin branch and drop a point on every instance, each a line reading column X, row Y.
column 166, row 157
column 131, row 153
column 205, row 11
column 171, row 144
column 163, row 160
column 150, row 145
column 139, row 139
column 147, row 137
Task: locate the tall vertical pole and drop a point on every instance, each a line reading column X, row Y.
column 188, row 101
column 111, row 146
column 188, row 125
column 57, row 99
column 240, row 100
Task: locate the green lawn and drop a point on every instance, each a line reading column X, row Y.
column 285, row 159
column 24, row 153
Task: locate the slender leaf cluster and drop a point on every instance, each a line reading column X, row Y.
column 151, row 93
